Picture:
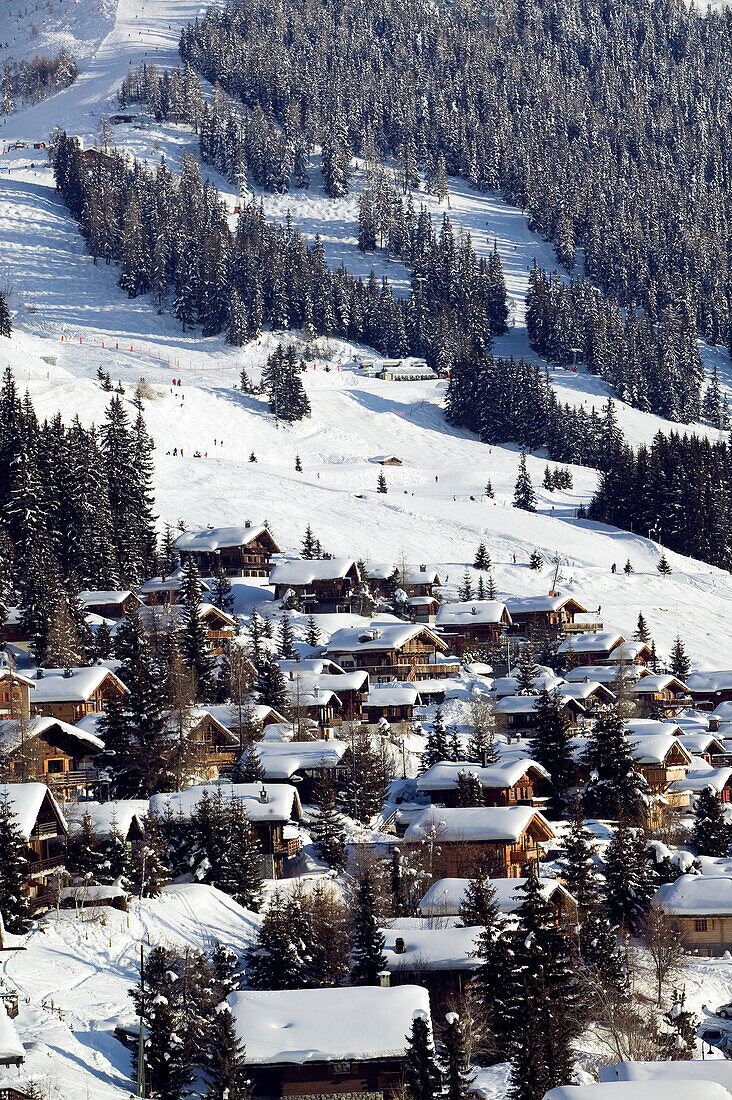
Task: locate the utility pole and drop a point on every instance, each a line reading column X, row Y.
column 141, row 1089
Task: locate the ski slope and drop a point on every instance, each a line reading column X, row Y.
column 66, row 307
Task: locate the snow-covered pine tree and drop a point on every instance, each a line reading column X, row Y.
column 642, row 633
column 275, row 961
column 250, row 768
column 616, row 788
column 367, row 954
column 192, row 634
column 455, row 1063
column 524, row 496
column 271, row 687
column 482, row 558
column 526, row 671
column 312, row 634
column 551, row 747
column 465, row 591
column 364, row 790
column 663, row 566
column 536, row 562
column 711, row 833
column 148, row 870
column 6, row 327
column 422, row 1074
column 478, row 908
column 14, row 868
column 381, row 485
column 630, row 881
column 327, row 828
column 286, row 639
column 680, row 663
column 469, row 789
column 222, row 595
column 227, row 1074
column 83, row 851
column 678, row 1042
column 436, row 748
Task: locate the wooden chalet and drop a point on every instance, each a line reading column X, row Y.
column 504, row 839
column 215, row 746
column 415, row 580
column 14, row 695
column 351, row 688
column 660, row 695
column 510, row 782
column 517, row 713
column 589, row 649
column 270, row 807
column 240, row 551
column 53, row 752
column 422, row 609
column 69, row 694
column 344, row 1041
column 305, row 763
column 445, row 898
column 472, row 624
column 43, row 829
column 709, row 689
column 391, row 651
column 552, row 615
column 319, row 584
column 702, row 905
column 220, row 626
column 393, row 703
column 110, row 605
column 166, row 591
column 664, row 762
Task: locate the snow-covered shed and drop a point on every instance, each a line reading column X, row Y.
column 504, row 838
column 445, row 897
column 327, row 1041
column 110, row 604
column 241, row 551
column 393, row 702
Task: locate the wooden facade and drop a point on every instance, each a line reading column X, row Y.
column 368, row 1079
column 56, row 757
column 110, row 605
column 410, row 660
column 15, row 694
column 251, row 558
column 72, row 710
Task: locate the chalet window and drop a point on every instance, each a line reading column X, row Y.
column 700, row 925
column 523, row 794
column 55, row 767
column 341, row 1067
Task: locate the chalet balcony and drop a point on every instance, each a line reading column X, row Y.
column 83, row 777
column 41, row 866
column 580, row 628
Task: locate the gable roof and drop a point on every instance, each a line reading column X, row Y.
column 281, row 759
column 661, row 681
column 379, row 635
column 527, row 704
column 703, row 683
column 326, row 1025
column 106, row 816
column 11, row 733
column 445, row 897
column 506, row 773
column 54, row 686
column 173, row 583
column 26, row 800
column 603, row 642
column 528, row 605
column 489, row 823
column 692, row 895
column 393, row 695
column 208, row 539
column 468, row 613
column 301, row 571
column 282, row 801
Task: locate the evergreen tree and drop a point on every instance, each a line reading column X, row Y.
column 469, row 789
column 422, row 1073
column 551, row 747
column 6, row 327
column 298, row 464
column 527, row 671
column 149, row 871
column 368, row 775
column 367, row 955
column 478, row 907
column 616, row 789
column 271, row 687
column 663, row 566
column 327, row 828
column 678, row 1043
column 286, row 639
column 465, row 592
column 251, row 769
column 192, row 635
column 524, row 496
column 482, row 558
column 436, row 748
column 14, row 869
column 381, row 486
column 312, row 634
column 628, row 567
column 83, row 851
column 711, row 834
column 630, row 881
column 536, row 562
column 456, row 1075
column 275, row 961
column 227, row 1072
column 642, row 633
column 222, row 595
column 680, row 663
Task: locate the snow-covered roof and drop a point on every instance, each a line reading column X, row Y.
column 713, row 1069
column 603, row 642
column 696, row 895
column 9, row 674
column 281, row 759
column 605, row 674
column 54, row 686
column 414, row 574
column 26, row 800
column 310, row 695
column 316, row 666
column 490, row 823
column 655, row 749
column 506, row 773
column 708, row 682
column 228, row 715
column 111, row 596
column 526, row 605
column 282, row 801
column 472, row 612
column 585, row 689
column 527, row 704
column 661, row 681
column 509, row 685
column 300, row 571
column 701, row 775
column 392, row 695
column 11, row 733
column 667, row 1089
column 297, row 1026
column 445, row 897
column 91, row 893
column 431, row 948
column 173, row 583
column 218, row 538
column 378, row 636
column 11, row 1048
column 108, row 816
column 337, row 682
column 651, row 727
column 628, row 651
column 698, row 743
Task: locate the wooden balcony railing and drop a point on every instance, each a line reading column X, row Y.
column 39, row 866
